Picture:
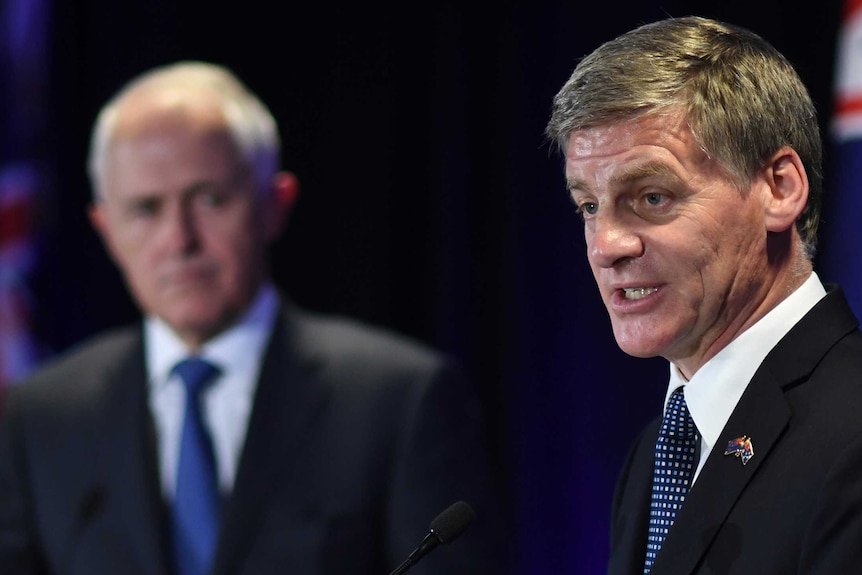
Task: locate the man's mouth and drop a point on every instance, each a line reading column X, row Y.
column 638, row 292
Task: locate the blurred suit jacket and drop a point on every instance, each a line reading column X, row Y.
column 356, row 441
column 796, row 507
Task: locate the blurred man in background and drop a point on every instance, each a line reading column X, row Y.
column 230, row 432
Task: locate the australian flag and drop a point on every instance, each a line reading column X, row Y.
column 840, row 260
column 23, row 87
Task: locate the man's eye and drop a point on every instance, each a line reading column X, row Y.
column 212, row 199
column 654, row 199
column 145, row 208
column 653, row 204
column 588, row 208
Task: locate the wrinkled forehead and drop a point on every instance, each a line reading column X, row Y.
column 655, row 146
column 616, row 137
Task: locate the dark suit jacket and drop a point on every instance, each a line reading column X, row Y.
column 796, row 507
column 356, row 441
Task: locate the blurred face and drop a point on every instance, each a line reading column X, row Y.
column 182, row 221
column 678, row 252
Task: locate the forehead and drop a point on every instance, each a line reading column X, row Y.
column 173, row 138
column 651, row 144
column 166, row 151
column 141, row 106
column 616, row 137
column 172, row 126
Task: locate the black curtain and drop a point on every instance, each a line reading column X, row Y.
column 430, row 204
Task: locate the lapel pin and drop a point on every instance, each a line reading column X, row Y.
column 741, row 447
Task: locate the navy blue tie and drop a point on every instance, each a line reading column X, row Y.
column 196, row 510
column 675, row 463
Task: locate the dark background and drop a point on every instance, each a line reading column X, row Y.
column 431, row 204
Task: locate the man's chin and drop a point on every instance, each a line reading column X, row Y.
column 197, row 324
column 639, row 345
column 638, row 352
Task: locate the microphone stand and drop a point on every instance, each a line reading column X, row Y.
column 430, row 542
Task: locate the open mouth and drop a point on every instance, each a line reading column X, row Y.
column 638, row 292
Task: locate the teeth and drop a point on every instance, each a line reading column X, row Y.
column 638, row 293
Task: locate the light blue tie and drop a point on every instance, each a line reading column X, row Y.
column 197, row 504
column 675, row 463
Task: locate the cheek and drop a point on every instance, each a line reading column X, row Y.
column 144, row 271
column 236, row 247
column 129, row 253
column 720, row 257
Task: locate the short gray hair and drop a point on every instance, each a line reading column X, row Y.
column 743, row 100
column 250, row 122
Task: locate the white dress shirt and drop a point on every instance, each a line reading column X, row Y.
column 226, row 404
column 715, row 389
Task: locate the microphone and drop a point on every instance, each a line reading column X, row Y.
column 445, row 528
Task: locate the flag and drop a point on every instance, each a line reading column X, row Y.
column 840, row 259
column 18, row 350
column 23, row 113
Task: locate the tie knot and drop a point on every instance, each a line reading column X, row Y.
column 196, row 374
column 677, row 418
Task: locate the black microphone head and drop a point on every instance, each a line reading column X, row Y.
column 453, row 521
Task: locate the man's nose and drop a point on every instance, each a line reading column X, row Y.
column 181, row 229
column 612, row 240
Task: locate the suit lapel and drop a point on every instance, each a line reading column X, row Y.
column 288, row 400
column 632, row 513
column 130, row 493
column 763, row 414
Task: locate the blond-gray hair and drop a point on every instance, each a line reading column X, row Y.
column 250, row 122
column 743, row 100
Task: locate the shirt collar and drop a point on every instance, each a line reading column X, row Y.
column 228, row 350
column 713, row 392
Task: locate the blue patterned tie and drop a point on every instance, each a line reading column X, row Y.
column 675, row 463
column 196, row 509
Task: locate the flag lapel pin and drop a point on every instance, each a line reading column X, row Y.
column 741, row 447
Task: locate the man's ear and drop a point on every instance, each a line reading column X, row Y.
column 285, row 191
column 787, row 189
column 97, row 213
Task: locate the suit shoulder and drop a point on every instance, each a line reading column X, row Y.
column 81, row 365
column 354, row 342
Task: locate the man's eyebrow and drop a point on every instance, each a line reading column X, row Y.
column 573, row 184
column 647, row 170
column 642, row 171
